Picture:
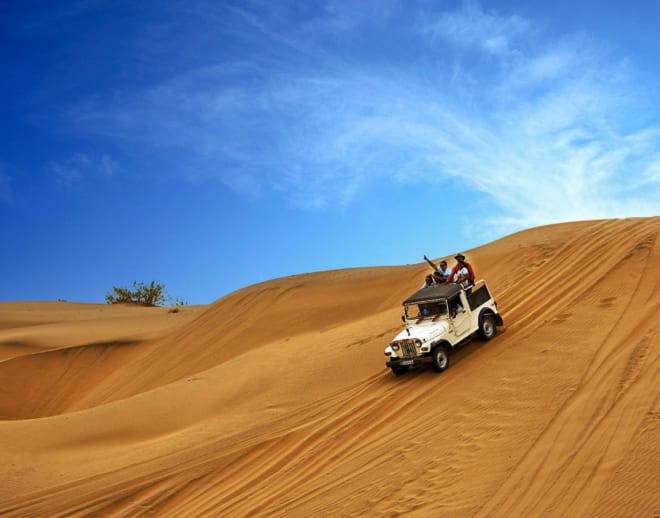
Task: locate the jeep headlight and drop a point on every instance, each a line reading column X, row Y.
column 395, row 347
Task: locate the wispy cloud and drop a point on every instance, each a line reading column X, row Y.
column 542, row 129
column 472, row 28
column 81, row 166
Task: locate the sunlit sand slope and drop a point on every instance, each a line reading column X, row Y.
column 274, row 401
column 52, row 353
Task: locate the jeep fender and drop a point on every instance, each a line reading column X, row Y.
column 440, row 343
column 496, row 316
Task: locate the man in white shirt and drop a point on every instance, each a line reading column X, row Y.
column 441, row 268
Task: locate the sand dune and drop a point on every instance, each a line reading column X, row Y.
column 275, row 401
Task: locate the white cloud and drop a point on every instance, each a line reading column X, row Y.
column 473, row 28
column 544, row 132
column 80, row 166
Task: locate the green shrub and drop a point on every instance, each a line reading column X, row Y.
column 151, row 294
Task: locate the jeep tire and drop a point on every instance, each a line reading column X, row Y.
column 440, row 357
column 487, row 327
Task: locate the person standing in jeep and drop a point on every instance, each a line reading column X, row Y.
column 462, row 271
column 441, row 269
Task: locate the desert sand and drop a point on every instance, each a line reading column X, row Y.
column 275, row 400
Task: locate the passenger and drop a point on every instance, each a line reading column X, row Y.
column 441, row 268
column 455, row 307
column 428, row 281
column 463, row 273
column 438, row 278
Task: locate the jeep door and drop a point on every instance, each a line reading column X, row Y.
column 459, row 317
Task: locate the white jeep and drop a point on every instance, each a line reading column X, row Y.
column 438, row 319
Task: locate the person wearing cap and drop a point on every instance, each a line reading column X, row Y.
column 441, row 268
column 463, row 272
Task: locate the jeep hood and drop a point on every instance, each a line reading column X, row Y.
column 425, row 332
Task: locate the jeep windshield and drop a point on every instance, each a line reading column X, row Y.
column 430, row 309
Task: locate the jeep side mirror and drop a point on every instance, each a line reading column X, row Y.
column 403, row 319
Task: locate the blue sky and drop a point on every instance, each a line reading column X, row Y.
column 211, row 145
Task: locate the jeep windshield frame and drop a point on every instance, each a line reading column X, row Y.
column 429, row 309
column 433, row 298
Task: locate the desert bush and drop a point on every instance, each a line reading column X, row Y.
column 152, row 294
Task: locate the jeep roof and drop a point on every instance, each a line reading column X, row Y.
column 434, row 292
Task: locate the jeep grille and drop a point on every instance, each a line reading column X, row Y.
column 408, row 349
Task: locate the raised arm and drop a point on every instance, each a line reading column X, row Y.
column 431, row 263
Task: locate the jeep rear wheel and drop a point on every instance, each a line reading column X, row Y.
column 440, row 358
column 399, row 369
column 487, row 328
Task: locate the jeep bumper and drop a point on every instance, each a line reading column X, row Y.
column 402, row 362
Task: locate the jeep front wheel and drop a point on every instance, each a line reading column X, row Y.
column 487, row 328
column 399, row 369
column 440, row 358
